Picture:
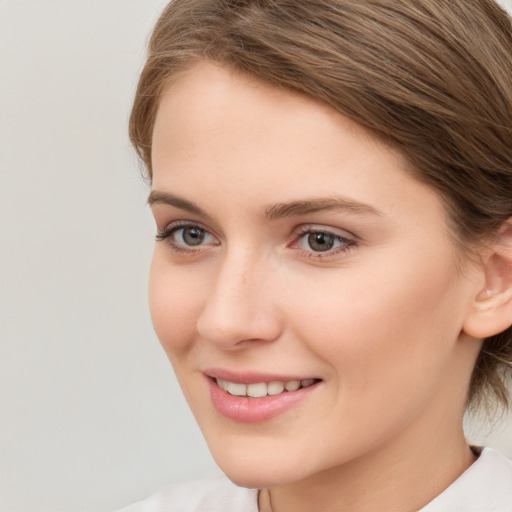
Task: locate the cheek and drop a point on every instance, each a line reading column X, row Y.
column 369, row 325
column 174, row 301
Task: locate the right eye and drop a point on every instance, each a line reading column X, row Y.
column 186, row 237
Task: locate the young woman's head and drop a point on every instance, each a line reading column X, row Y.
column 332, row 183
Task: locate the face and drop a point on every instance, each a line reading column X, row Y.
column 303, row 285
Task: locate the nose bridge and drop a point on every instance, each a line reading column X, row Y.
column 238, row 306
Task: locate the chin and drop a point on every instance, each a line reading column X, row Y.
column 244, row 475
column 257, row 470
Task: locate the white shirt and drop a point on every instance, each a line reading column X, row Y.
column 486, row 486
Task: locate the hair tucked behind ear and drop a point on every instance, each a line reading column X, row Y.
column 431, row 76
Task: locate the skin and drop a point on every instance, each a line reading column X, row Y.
column 379, row 319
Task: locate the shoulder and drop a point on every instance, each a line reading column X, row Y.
column 485, row 487
column 215, row 494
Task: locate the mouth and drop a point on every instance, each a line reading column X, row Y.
column 257, row 398
column 262, row 389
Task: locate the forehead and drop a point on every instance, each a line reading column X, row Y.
column 208, row 102
column 221, row 133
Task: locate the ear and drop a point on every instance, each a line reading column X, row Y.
column 491, row 310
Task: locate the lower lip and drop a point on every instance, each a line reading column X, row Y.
column 255, row 410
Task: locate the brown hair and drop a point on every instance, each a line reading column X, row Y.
column 431, row 76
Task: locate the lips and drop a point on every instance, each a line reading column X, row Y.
column 255, row 398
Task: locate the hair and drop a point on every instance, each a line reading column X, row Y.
column 432, row 77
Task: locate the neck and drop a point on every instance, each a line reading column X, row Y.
column 405, row 475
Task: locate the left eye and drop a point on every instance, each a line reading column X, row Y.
column 190, row 236
column 186, row 237
column 322, row 241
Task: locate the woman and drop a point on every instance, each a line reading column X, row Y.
column 332, row 279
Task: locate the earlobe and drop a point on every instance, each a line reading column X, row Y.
column 491, row 311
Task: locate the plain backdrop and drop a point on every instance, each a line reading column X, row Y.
column 91, row 417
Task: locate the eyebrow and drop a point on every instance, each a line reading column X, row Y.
column 157, row 197
column 279, row 210
column 308, row 206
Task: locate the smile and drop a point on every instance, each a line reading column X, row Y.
column 262, row 389
column 257, row 398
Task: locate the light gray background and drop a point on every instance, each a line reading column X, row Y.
column 91, row 417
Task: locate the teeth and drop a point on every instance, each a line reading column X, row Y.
column 222, row 384
column 274, row 388
column 257, row 390
column 292, row 385
column 236, row 389
column 262, row 389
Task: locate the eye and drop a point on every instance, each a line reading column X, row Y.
column 321, row 242
column 190, row 236
column 315, row 240
column 186, row 237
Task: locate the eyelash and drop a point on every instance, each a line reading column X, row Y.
column 347, row 244
column 168, row 232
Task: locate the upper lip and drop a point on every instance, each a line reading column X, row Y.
column 252, row 377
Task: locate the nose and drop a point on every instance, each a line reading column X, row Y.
column 239, row 310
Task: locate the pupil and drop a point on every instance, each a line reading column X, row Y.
column 320, row 241
column 193, row 236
